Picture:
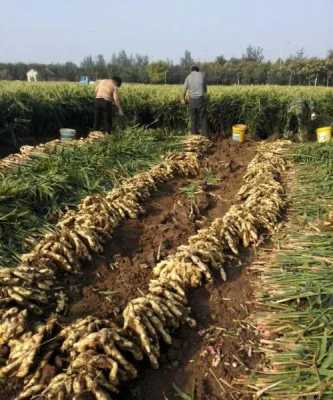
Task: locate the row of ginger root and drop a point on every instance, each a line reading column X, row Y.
column 29, row 291
column 82, row 233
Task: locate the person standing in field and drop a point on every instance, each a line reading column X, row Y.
column 107, row 95
column 195, row 93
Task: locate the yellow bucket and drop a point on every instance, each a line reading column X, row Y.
column 324, row 134
column 238, row 133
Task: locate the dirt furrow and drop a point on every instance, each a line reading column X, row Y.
column 171, row 216
column 222, row 343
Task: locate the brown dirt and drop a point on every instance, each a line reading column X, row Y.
column 222, row 343
column 207, row 361
column 124, row 270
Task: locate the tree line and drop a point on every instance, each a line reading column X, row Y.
column 250, row 68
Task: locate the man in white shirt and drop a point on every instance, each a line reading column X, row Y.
column 195, row 88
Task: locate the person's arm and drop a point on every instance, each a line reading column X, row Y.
column 185, row 90
column 117, row 102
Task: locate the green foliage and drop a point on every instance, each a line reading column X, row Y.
column 191, row 190
column 249, row 69
column 47, row 107
column 32, row 196
column 313, row 192
column 210, row 177
column 315, row 154
column 297, row 295
column 255, row 54
column 158, row 71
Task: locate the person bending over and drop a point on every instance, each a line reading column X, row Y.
column 195, row 88
column 107, row 95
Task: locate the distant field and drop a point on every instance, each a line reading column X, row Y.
column 42, row 108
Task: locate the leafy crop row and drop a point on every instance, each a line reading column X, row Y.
column 42, row 108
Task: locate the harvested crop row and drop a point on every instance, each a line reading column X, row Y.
column 101, row 355
column 295, row 319
column 81, row 233
column 262, row 199
column 33, row 197
column 294, row 288
column 26, row 152
column 31, row 287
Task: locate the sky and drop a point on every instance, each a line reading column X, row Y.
column 47, row 31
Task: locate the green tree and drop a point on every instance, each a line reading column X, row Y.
column 101, row 67
column 71, row 71
column 187, row 61
column 158, row 71
column 88, row 67
column 255, row 54
column 220, row 59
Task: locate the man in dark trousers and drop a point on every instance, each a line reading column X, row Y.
column 106, row 95
column 195, row 88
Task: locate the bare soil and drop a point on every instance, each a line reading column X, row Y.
column 206, row 362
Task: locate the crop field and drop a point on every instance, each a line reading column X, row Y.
column 40, row 109
column 154, row 265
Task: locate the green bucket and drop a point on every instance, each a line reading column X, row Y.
column 67, row 134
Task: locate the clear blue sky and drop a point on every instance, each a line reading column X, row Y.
column 63, row 30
